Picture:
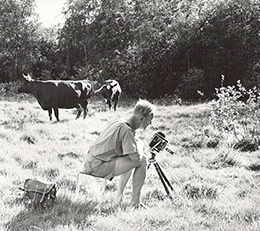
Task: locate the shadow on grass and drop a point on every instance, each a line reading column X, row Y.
column 64, row 213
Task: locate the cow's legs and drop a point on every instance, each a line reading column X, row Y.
column 115, row 103
column 50, row 112
column 79, row 111
column 56, row 113
column 85, row 109
column 116, row 97
column 109, row 104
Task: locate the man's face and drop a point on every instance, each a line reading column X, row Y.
column 146, row 121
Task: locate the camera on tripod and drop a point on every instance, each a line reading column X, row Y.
column 157, row 144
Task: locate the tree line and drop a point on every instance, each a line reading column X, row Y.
column 152, row 47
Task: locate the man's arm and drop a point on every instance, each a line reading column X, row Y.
column 137, row 156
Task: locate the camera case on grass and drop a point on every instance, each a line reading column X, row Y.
column 38, row 195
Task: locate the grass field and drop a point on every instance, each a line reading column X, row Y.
column 215, row 186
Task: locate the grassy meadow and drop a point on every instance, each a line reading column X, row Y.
column 215, row 186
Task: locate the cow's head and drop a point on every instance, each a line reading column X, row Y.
column 26, row 85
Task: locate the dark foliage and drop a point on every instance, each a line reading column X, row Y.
column 153, row 48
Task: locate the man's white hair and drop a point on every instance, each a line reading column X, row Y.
column 144, row 108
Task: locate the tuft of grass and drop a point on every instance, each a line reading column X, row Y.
column 156, row 195
column 72, row 155
column 51, row 173
column 199, row 191
column 254, row 167
column 247, row 145
column 223, row 161
column 30, row 164
column 28, row 138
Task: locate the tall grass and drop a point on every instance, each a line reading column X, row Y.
column 216, row 187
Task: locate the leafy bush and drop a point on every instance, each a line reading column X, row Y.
column 9, row 89
column 236, row 115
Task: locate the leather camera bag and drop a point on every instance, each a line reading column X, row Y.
column 38, row 194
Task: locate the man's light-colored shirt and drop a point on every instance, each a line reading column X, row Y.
column 116, row 140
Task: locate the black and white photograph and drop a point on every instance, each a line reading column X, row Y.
column 129, row 115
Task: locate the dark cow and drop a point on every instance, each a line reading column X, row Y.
column 111, row 91
column 55, row 94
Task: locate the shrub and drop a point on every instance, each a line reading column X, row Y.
column 9, row 88
column 236, row 113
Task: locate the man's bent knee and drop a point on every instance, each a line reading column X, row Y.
column 125, row 164
column 142, row 162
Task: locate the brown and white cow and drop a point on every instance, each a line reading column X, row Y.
column 111, row 91
column 55, row 94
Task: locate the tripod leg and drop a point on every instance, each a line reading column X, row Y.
column 162, row 180
column 163, row 175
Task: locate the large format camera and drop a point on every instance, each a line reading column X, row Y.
column 158, row 142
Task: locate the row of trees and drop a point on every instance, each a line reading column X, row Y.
column 153, row 47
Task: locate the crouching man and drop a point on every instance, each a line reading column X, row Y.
column 115, row 152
